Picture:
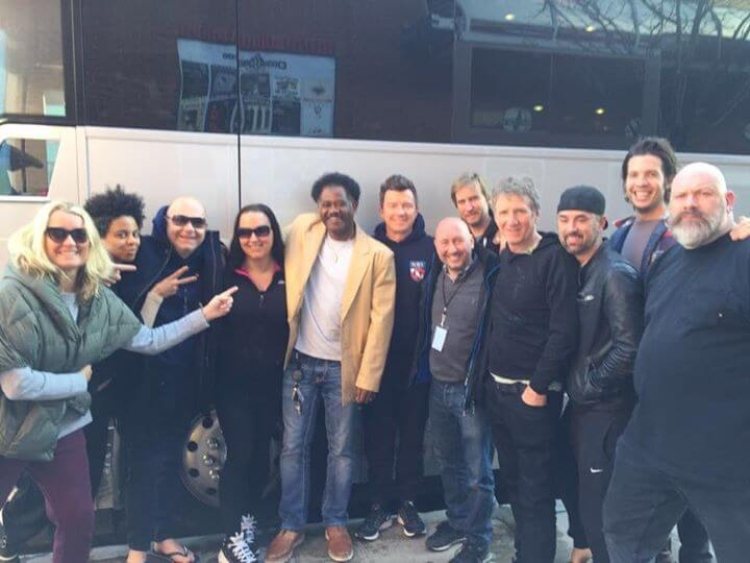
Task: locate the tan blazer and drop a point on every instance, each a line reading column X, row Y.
column 367, row 306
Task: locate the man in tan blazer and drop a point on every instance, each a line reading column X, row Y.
column 340, row 288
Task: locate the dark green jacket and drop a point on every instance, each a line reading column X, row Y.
column 38, row 331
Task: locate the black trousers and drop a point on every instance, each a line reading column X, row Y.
column 394, row 425
column 525, row 440
column 644, row 503
column 154, row 430
column 249, row 421
column 593, row 435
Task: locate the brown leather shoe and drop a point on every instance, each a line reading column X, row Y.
column 283, row 545
column 339, row 543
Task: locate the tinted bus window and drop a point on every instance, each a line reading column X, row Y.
column 323, row 68
column 133, row 74
column 353, row 69
column 32, row 79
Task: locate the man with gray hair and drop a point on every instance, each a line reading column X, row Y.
column 532, row 335
column 686, row 443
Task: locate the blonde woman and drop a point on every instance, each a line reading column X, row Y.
column 56, row 319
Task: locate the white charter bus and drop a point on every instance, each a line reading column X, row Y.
column 240, row 101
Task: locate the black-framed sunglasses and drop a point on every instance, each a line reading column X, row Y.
column 60, row 235
column 260, row 232
column 182, row 220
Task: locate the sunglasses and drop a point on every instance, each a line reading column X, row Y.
column 182, row 220
column 60, row 235
column 260, row 232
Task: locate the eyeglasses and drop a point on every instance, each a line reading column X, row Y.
column 60, row 235
column 260, row 232
column 182, row 220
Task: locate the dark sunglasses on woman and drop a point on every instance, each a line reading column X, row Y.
column 59, row 235
column 260, row 232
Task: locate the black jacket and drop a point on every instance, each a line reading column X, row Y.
column 610, row 312
column 534, row 321
column 157, row 259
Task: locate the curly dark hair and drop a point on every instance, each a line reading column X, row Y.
column 338, row 179
column 105, row 208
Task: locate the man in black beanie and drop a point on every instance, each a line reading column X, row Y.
column 600, row 381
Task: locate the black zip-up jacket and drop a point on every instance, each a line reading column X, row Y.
column 476, row 364
column 610, row 313
column 412, row 257
column 157, row 259
column 534, row 319
column 254, row 336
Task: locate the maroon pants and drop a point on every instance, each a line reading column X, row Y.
column 65, row 484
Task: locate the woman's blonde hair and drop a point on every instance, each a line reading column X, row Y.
column 28, row 254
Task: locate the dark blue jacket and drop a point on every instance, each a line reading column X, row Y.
column 157, row 259
column 658, row 243
column 476, row 365
column 412, row 257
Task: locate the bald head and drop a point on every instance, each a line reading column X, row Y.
column 187, row 205
column 454, row 244
column 700, row 173
column 186, row 225
column 700, row 208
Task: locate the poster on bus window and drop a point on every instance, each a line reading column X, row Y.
column 278, row 94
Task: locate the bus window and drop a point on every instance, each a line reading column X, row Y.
column 139, row 64
column 347, row 69
column 32, row 81
column 26, row 166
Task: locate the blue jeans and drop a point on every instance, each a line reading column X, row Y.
column 321, row 379
column 464, row 451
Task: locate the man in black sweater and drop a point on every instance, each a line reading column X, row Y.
column 686, row 443
column 532, row 335
column 400, row 408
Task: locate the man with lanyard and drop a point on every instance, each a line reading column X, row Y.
column 455, row 303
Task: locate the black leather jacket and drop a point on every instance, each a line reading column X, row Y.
column 610, row 312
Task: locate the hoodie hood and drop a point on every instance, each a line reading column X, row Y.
column 159, row 225
column 548, row 239
column 417, row 233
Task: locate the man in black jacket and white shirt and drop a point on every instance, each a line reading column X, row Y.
column 600, row 382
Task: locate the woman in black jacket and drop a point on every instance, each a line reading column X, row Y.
column 248, row 393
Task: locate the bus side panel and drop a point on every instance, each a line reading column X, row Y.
column 162, row 165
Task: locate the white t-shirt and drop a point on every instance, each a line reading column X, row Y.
column 320, row 323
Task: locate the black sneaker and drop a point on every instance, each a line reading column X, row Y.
column 472, row 552
column 376, row 521
column 445, row 537
column 409, row 518
column 236, row 550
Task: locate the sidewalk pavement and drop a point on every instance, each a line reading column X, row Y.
column 392, row 547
